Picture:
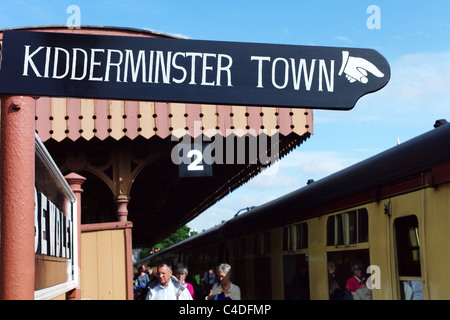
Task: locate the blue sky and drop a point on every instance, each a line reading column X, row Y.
column 413, row 37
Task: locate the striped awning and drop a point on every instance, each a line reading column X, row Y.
column 61, row 118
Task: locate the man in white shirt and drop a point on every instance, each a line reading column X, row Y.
column 168, row 287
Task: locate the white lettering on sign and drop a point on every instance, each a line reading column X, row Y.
column 36, row 221
column 196, row 164
column 53, row 230
column 173, row 67
column 128, row 65
column 291, row 73
column 43, row 218
column 28, row 61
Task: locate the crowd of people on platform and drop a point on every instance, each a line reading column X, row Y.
column 170, row 283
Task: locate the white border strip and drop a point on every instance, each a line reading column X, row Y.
column 54, row 291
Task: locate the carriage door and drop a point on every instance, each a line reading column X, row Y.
column 408, row 258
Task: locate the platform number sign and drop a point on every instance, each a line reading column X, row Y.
column 192, row 161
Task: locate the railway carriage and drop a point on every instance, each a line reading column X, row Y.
column 389, row 212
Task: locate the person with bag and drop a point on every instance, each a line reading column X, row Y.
column 224, row 289
column 357, row 284
column 142, row 281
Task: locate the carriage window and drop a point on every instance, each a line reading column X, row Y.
column 239, row 247
column 295, row 237
column 352, row 235
column 330, row 231
column 363, row 226
column 414, row 243
column 262, row 243
column 408, row 250
column 302, row 236
column 408, row 257
column 348, row 228
column 296, row 277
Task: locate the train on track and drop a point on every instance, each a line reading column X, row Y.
column 390, row 212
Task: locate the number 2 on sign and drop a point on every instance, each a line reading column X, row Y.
column 196, row 164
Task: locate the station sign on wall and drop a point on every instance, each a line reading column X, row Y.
column 189, row 71
column 55, row 221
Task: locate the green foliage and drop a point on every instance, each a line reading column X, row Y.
column 179, row 235
column 145, row 252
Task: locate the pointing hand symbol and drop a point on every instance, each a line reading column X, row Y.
column 356, row 69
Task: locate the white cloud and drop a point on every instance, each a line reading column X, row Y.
column 227, row 208
column 419, row 84
column 418, row 91
column 269, row 181
column 344, row 39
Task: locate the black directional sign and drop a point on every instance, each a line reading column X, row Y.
column 190, row 71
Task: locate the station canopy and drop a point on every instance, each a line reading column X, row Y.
column 125, row 150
